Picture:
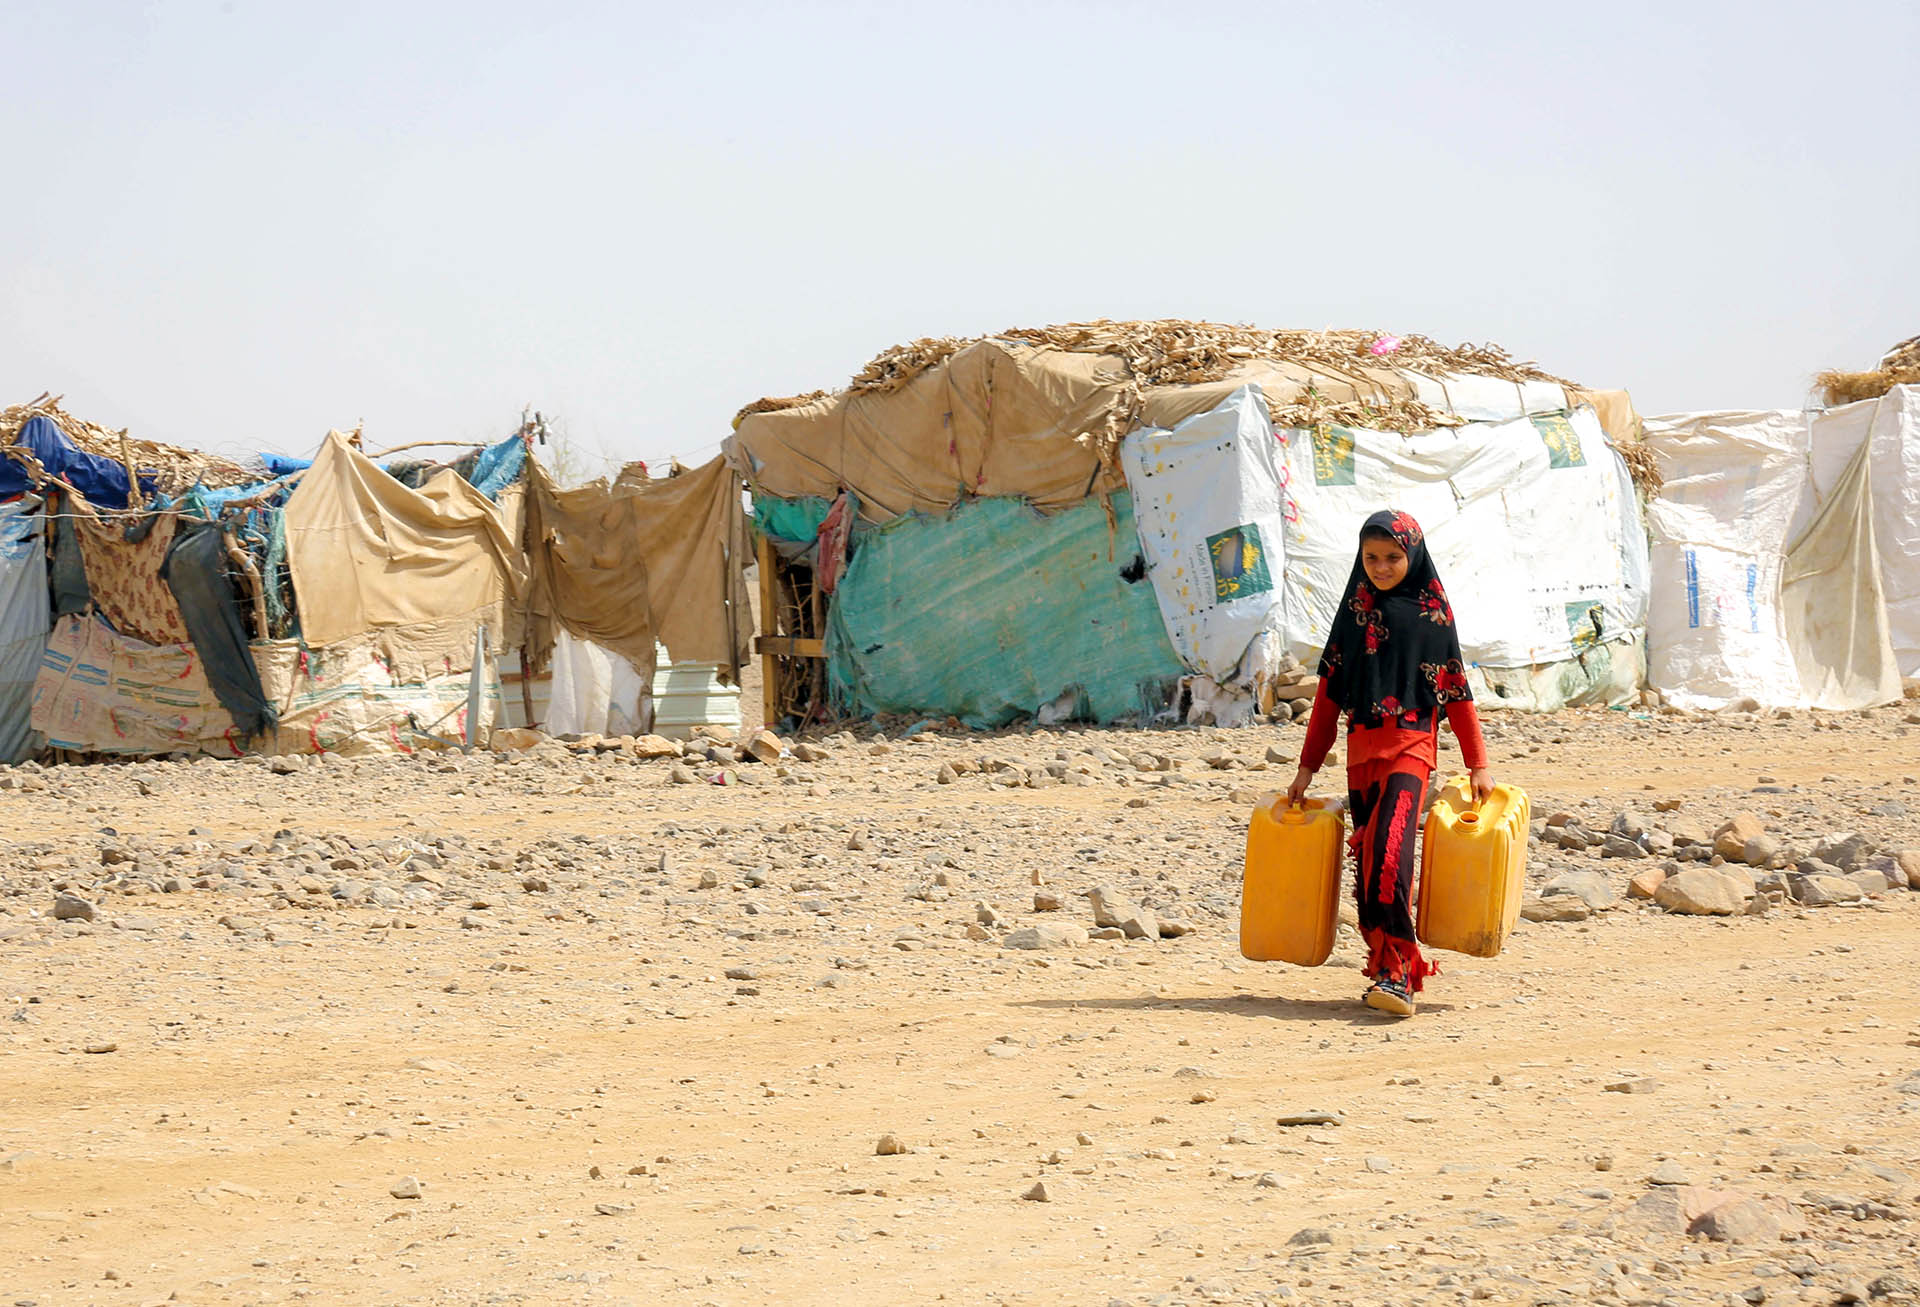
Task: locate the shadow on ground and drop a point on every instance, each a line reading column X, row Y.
column 1347, row 1011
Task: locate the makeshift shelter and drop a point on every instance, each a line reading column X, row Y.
column 1786, row 549
column 155, row 600
column 1013, row 510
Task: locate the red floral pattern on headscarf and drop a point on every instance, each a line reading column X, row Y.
column 1393, row 652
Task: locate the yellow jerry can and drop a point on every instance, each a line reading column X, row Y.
column 1473, row 865
column 1290, row 897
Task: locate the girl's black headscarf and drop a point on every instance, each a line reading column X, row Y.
column 1394, row 654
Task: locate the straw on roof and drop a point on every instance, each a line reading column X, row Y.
column 173, row 470
column 1900, row 366
column 1174, row 352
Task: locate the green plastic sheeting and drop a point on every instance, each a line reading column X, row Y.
column 790, row 519
column 994, row 611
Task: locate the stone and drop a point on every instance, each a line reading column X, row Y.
column 655, row 746
column 1908, row 860
column 1637, row 1085
column 1730, row 840
column 804, row 752
column 1047, row 901
column 764, row 747
column 1590, row 887
column 99, row 1046
column 1660, row 1210
column 1871, row 882
column 1109, row 907
column 1629, row 826
column 1822, row 891
column 285, row 764
column 1846, row 851
column 890, row 1146
column 946, row 775
column 1669, row 1172
column 1141, row 924
column 1171, row 928
column 681, row 774
column 1046, row 935
column 407, row 1186
column 71, row 907
column 1561, row 907
column 1312, row 1236
column 1760, row 851
column 1702, row 891
column 1646, row 884
column 536, row 884
column 1745, row 1220
column 1379, row 1165
column 1616, row 846
column 1050, row 1190
column 1688, row 830
column 1311, row 1116
column 1277, row 756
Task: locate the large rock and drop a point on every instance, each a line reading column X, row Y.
column 1730, row 841
column 1110, row 907
column 1688, row 830
column 1822, row 891
column 1908, row 860
column 1702, row 891
column 1619, row 846
column 508, row 739
column 1846, row 851
column 656, row 746
column 1561, row 907
column 1590, row 887
column 1760, row 851
column 1645, row 884
column 1047, row 935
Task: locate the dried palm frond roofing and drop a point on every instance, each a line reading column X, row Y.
column 173, row 469
column 1174, row 352
column 1900, row 366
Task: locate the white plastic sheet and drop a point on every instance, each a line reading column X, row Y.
column 1890, row 428
column 1719, row 530
column 1206, row 501
column 23, row 621
column 595, row 691
column 1533, row 523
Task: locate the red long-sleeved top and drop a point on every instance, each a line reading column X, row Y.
column 1371, row 743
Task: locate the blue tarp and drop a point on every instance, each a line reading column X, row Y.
column 279, row 465
column 996, row 611
column 499, row 466
column 102, row 480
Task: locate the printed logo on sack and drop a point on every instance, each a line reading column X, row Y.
column 1585, row 623
column 1561, row 440
column 1239, row 561
column 1332, row 456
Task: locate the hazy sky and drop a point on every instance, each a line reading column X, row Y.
column 237, row 224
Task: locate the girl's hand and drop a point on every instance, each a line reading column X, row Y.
column 1482, row 784
column 1297, row 792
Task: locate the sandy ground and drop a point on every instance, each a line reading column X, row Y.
column 501, row 978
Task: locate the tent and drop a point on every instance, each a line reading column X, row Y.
column 1026, row 502
column 158, row 600
column 1786, row 554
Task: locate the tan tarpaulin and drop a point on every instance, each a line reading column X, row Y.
column 1835, row 609
column 586, row 569
column 420, row 567
column 642, row 560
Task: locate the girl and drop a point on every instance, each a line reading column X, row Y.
column 1392, row 664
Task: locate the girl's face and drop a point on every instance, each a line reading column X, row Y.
column 1385, row 561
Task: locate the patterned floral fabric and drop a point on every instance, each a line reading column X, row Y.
column 124, row 575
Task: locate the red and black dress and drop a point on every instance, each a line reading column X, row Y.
column 1392, row 665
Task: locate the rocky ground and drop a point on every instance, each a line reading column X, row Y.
column 581, row 1025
